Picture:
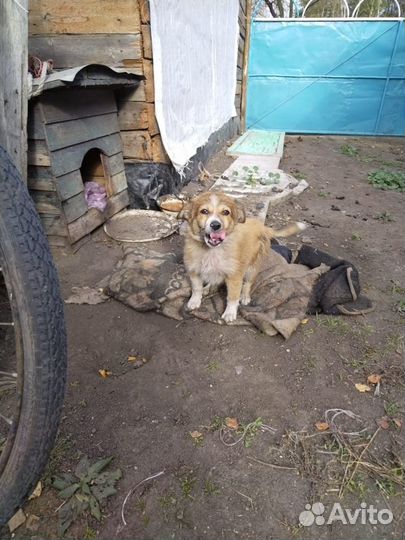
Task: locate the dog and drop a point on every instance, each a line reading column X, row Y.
column 222, row 245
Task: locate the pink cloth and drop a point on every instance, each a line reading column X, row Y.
column 95, row 195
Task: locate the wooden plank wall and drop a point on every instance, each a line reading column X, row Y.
column 136, row 109
column 13, row 81
column 116, row 33
column 112, row 32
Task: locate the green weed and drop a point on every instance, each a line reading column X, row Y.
column 211, row 488
column 387, row 180
column 349, row 150
column 187, row 486
column 85, row 490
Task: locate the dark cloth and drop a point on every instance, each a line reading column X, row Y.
column 338, row 291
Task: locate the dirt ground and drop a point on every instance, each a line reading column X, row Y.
column 198, row 374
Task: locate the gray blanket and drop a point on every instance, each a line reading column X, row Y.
column 153, row 281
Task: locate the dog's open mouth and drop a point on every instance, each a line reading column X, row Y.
column 213, row 239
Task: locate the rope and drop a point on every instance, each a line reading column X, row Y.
column 345, row 311
column 38, row 71
column 349, row 271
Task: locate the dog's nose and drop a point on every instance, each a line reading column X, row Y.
column 215, row 225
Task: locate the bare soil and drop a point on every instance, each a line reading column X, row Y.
column 197, row 374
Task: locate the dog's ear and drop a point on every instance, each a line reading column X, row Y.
column 186, row 212
column 240, row 213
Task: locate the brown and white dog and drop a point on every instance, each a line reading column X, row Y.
column 221, row 245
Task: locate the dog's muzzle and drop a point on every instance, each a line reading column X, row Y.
column 214, row 234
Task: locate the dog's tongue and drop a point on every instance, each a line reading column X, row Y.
column 218, row 235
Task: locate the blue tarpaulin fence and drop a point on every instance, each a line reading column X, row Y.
column 327, row 76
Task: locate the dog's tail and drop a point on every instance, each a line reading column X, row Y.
column 294, row 228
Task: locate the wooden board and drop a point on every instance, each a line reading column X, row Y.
column 35, row 127
column 149, row 84
column 57, row 241
column 69, row 184
column 153, row 126
column 38, row 153
column 118, row 50
column 69, row 159
column 113, row 164
column 46, row 202
column 113, row 167
column 13, row 85
column 137, row 145
column 83, row 17
column 118, row 182
column 132, row 94
column 258, row 143
column 133, row 115
column 42, row 198
column 54, row 225
column 74, row 207
column 144, row 10
column 40, row 178
column 94, row 218
column 78, row 103
column 242, row 73
column 147, row 42
column 159, row 154
column 63, row 134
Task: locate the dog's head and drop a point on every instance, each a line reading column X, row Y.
column 212, row 216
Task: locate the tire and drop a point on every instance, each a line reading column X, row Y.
column 37, row 312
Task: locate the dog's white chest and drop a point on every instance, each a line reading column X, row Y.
column 215, row 266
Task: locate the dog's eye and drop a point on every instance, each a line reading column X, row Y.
column 204, row 211
column 225, row 212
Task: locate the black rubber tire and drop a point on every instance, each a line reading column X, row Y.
column 27, row 259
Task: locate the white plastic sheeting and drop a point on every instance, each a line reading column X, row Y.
column 195, row 47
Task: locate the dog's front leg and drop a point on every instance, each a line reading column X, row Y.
column 234, row 287
column 197, row 291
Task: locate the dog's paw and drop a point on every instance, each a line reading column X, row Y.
column 194, row 302
column 230, row 314
column 245, row 299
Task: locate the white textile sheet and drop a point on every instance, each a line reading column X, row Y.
column 195, row 47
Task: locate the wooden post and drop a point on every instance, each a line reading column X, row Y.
column 13, row 81
column 245, row 64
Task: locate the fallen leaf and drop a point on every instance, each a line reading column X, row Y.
column 362, row 387
column 196, row 434
column 321, row 426
column 304, row 321
column 37, row 491
column 16, row 521
column 104, row 373
column 232, row 423
column 132, row 358
column 374, row 378
column 384, row 422
column 397, row 422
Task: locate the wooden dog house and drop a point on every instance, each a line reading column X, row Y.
column 74, row 137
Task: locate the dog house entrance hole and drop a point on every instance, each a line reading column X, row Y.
column 92, row 170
